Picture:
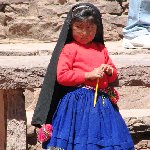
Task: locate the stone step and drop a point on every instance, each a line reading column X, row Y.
column 137, row 120
column 23, row 64
column 28, row 71
column 135, row 113
column 42, row 61
column 41, row 48
column 115, row 48
column 26, row 49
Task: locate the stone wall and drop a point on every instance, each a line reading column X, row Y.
column 42, row 20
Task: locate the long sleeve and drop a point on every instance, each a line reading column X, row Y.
column 109, row 62
column 65, row 73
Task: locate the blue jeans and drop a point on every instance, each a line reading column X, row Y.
column 138, row 19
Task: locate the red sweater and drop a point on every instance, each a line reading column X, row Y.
column 76, row 59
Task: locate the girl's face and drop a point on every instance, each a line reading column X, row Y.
column 83, row 31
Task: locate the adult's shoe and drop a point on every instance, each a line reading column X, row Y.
column 138, row 42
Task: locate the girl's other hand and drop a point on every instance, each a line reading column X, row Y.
column 107, row 69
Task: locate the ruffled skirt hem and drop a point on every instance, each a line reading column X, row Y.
column 95, row 145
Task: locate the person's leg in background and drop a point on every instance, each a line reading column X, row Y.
column 136, row 32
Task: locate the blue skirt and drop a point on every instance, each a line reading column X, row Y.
column 78, row 125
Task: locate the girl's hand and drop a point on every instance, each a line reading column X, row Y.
column 96, row 73
column 99, row 72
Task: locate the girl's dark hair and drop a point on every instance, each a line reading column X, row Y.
column 83, row 13
column 86, row 12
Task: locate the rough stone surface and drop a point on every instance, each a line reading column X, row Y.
column 26, row 49
column 134, row 76
column 16, row 119
column 48, row 17
column 139, row 99
column 13, row 1
column 138, row 124
column 32, row 70
column 2, row 122
column 2, row 32
column 142, row 141
column 2, row 18
column 31, row 97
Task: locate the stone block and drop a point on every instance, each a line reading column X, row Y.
column 2, row 18
column 19, row 9
column 13, row 1
column 16, row 119
column 2, row 122
column 109, row 7
column 142, row 141
column 2, row 32
column 113, row 25
column 139, row 99
column 31, row 98
column 54, row 12
column 21, row 27
column 29, row 71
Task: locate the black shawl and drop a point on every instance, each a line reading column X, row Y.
column 51, row 91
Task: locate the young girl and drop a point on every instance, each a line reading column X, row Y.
column 86, row 118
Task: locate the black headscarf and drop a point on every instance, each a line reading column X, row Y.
column 51, row 91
